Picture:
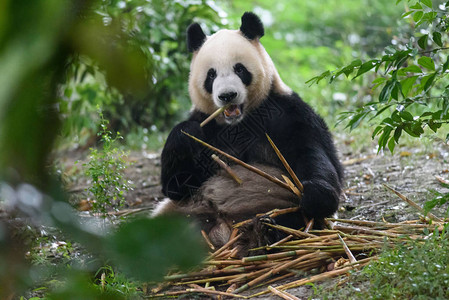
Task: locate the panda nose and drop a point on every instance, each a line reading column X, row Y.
column 227, row 97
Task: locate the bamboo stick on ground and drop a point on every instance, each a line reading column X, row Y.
column 319, row 277
column 348, row 251
column 243, row 164
column 282, row 294
column 199, row 290
column 413, row 204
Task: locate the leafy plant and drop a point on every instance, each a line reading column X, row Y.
column 413, row 78
column 438, row 199
column 105, row 169
column 112, row 281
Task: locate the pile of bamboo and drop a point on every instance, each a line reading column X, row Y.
column 311, row 255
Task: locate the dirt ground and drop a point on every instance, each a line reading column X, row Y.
column 411, row 171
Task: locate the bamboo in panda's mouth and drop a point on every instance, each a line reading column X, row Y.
column 229, row 110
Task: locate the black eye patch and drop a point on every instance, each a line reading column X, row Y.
column 243, row 73
column 211, row 75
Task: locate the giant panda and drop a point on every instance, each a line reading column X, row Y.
column 231, row 68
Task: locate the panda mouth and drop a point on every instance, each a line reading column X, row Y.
column 233, row 111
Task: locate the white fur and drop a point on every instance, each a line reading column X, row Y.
column 221, row 51
column 166, row 206
column 227, row 81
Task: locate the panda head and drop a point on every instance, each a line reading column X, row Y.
column 232, row 68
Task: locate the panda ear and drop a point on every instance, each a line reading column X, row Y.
column 252, row 26
column 195, row 37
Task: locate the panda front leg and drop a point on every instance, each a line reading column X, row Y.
column 322, row 185
column 181, row 175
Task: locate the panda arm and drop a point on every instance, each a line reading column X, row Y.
column 181, row 175
column 320, row 180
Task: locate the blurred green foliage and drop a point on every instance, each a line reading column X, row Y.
column 38, row 42
column 152, row 35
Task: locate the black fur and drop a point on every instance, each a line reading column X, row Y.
column 243, row 73
column 209, row 82
column 300, row 134
column 252, row 26
column 195, row 37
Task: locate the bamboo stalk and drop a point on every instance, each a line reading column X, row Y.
column 295, row 232
column 309, row 226
column 243, row 164
column 287, row 238
column 272, row 214
column 365, row 230
column 225, row 246
column 413, row 204
column 206, row 238
column 286, row 165
column 282, row 294
column 348, row 251
column 379, row 224
column 275, row 255
column 227, row 168
column 214, row 115
column 322, row 276
column 292, row 186
column 199, row 290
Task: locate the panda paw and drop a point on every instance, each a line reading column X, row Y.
column 320, row 199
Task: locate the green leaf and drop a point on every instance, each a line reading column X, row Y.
column 412, row 69
column 407, row 85
column 422, row 41
column 416, row 6
column 406, row 115
column 146, row 249
column 395, row 91
column 436, row 36
column 407, row 13
column 426, row 62
column 385, row 94
column 417, row 16
column 427, row 3
column 391, row 144
column 397, row 134
column 376, row 131
column 434, row 126
column 378, row 81
column 365, row 67
column 428, row 80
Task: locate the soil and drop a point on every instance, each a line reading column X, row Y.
column 411, row 171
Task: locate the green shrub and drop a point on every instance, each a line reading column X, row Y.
column 105, row 169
